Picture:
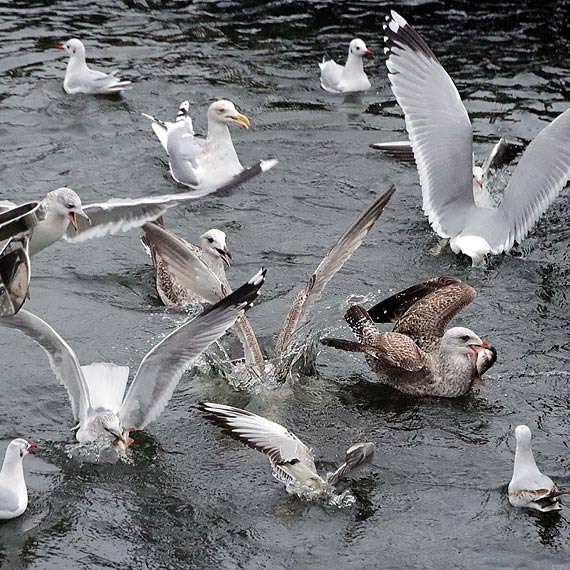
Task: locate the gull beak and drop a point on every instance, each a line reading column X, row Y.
column 479, row 183
column 367, row 52
column 241, row 120
column 73, row 218
column 31, row 448
column 484, row 344
column 225, row 255
column 60, row 46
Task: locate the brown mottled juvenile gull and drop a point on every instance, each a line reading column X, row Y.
column 105, row 411
column 292, row 461
column 420, row 357
column 13, row 490
column 442, row 140
column 529, row 487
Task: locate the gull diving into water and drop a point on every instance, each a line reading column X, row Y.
column 105, row 415
column 442, row 140
column 66, row 217
column 202, row 163
column 190, row 272
column 292, row 461
column 529, row 487
column 346, row 78
column 80, row 79
column 13, row 490
column 419, row 357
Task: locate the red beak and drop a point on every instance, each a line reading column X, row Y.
column 367, row 52
column 31, row 448
column 484, row 344
column 59, row 46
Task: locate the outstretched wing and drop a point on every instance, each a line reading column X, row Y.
column 437, row 124
column 343, row 249
column 163, row 366
column 357, row 456
column 62, row 359
column 257, row 432
column 400, row 150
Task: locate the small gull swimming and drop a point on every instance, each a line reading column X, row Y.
column 419, row 357
column 442, row 139
column 13, row 490
column 292, row 461
column 188, row 273
column 346, row 78
column 80, row 79
column 529, row 487
column 201, row 163
column 105, row 411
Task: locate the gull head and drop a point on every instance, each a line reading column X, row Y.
column 478, row 176
column 214, row 242
column 65, row 202
column 74, row 48
column 523, row 435
column 111, row 424
column 19, row 448
column 358, row 48
column 460, row 340
column 225, row 112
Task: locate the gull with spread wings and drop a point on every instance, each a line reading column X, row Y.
column 104, row 413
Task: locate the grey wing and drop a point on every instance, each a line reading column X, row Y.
column 425, row 320
column 542, row 172
column 400, row 150
column 62, row 359
column 183, row 264
column 437, row 124
column 343, row 249
column 163, row 366
column 251, row 349
column 393, row 308
column 160, row 128
column 357, row 456
column 257, row 432
column 8, row 500
column 502, row 154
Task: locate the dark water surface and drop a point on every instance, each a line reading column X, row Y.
column 435, row 494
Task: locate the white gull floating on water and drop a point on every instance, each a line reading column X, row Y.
column 346, row 78
column 105, row 411
column 80, row 79
column 442, row 139
column 292, row 461
column 13, row 490
column 201, row 163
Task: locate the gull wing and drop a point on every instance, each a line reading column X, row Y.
column 343, row 249
column 437, row 124
column 161, row 128
column 502, row 154
column 62, row 359
column 400, row 150
column 122, row 215
column 257, row 432
column 357, row 456
column 163, row 366
column 542, row 172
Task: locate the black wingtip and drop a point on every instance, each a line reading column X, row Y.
column 399, row 33
column 247, row 174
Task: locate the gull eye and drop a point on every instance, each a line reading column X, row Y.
column 210, row 239
column 69, row 206
column 464, row 338
column 21, row 453
column 221, row 111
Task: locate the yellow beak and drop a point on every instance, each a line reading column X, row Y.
column 241, row 120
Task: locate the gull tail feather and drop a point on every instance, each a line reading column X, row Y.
column 348, row 345
column 106, row 384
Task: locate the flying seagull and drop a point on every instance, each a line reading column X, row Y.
column 104, row 413
column 291, row 460
column 442, row 140
column 419, row 356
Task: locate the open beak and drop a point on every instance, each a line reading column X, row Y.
column 31, row 448
column 241, row 120
column 60, row 46
column 73, row 218
column 367, row 52
column 225, row 255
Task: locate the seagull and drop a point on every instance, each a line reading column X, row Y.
column 419, row 357
column 336, row 78
column 291, row 460
column 13, row 490
column 188, row 271
column 503, row 153
column 105, row 415
column 66, row 217
column 529, row 487
column 442, row 140
column 201, row 163
column 80, row 79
